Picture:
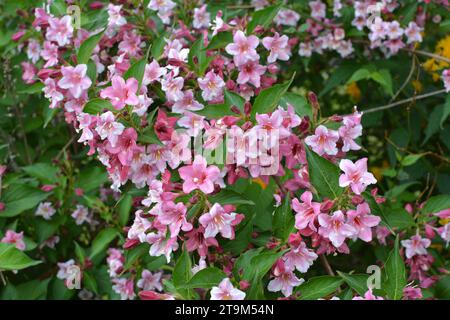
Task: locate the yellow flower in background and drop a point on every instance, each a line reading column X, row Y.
column 443, row 222
column 354, row 92
column 432, row 65
column 260, row 182
column 417, row 85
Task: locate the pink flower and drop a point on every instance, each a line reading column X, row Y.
column 412, row 32
column 64, row 269
column 29, row 72
column 45, row 210
column 115, row 18
column 355, row 175
column 243, row 48
column 201, row 18
column 160, row 245
column 139, row 227
column 60, row 30
column 300, row 258
column 15, row 238
column 174, row 216
column 272, row 122
column 287, row 17
column 318, row 9
column 212, row 86
column 197, row 241
column 108, row 128
column 278, row 46
column 199, row 176
column 172, row 86
column 125, row 146
column 217, row 220
column 124, row 287
column 33, row 50
column 416, row 246
column 368, row 296
column 50, row 54
column 226, row 291
column 75, row 80
column 323, row 141
column 153, row 72
column 334, row 228
column 164, row 126
column 121, row 93
column 307, row 212
column 81, row 214
column 446, row 79
column 150, row 281
column 284, row 281
column 362, row 221
column 251, row 71
column 348, row 134
column 188, row 102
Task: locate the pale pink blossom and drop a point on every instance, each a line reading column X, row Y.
column 172, row 86
column 217, row 220
column 348, row 135
column 50, row 54
column 446, row 79
column 15, row 238
column 287, row 17
column 121, row 93
column 187, row 102
column 160, row 245
column 33, row 50
column 413, row 32
column 278, row 47
column 284, row 280
column 362, row 221
column 251, row 71
column 29, row 73
column 108, row 128
column 45, row 210
column 124, row 287
column 307, row 211
column 416, row 246
column 199, row 176
column 243, row 48
column 60, row 30
column 81, row 214
column 201, row 18
column 51, row 92
column 226, row 291
column 115, row 261
column 368, row 296
column 115, row 18
column 300, row 258
column 318, row 9
column 125, row 146
column 75, row 79
column 139, row 227
column 64, row 269
column 355, row 175
column 335, row 228
column 323, row 141
column 150, row 281
column 174, row 216
column 153, row 72
column 212, row 86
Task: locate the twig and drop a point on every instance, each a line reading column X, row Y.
column 326, row 265
column 428, row 54
column 411, row 72
column 391, row 105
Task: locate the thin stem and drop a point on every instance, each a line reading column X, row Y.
column 391, row 105
column 428, row 54
column 326, row 265
column 411, row 72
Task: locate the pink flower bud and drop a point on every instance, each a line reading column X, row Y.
column 130, row 243
column 273, row 68
column 48, row 187
column 96, row 5
column 79, row 192
column 16, row 36
column 2, row 206
column 244, row 285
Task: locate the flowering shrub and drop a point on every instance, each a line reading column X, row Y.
column 175, row 144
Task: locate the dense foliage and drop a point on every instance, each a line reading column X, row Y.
column 155, row 149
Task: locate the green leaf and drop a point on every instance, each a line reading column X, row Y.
column 32, row 290
column 400, row 219
column 220, row 40
column 18, row 205
column 91, row 178
column 182, row 273
column 44, row 172
column 263, row 17
column 230, row 197
column 300, row 104
column 357, row 282
column 206, row 278
column 197, row 51
column 324, row 175
column 283, row 220
column 101, row 241
column 233, row 99
column 49, row 114
column 319, row 287
column 442, row 288
column 33, row 88
column 436, row 204
column 136, row 71
column 360, row 74
column 157, row 47
column 86, row 48
column 268, row 99
column 216, row 111
column 89, row 282
column 395, row 274
column 339, row 76
column 97, row 105
column 262, row 263
column 384, row 78
column 125, row 204
column 12, row 258
column 377, row 209
column 135, row 253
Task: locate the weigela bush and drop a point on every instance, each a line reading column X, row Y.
column 239, row 187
